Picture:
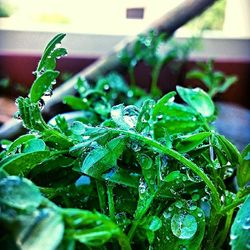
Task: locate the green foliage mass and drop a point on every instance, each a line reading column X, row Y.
column 124, row 171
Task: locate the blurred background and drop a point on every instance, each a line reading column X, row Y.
column 94, row 27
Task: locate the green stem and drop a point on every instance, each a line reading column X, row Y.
column 111, row 201
column 212, row 228
column 178, row 157
column 138, row 218
column 101, row 195
column 233, row 205
column 131, row 73
column 223, row 235
column 155, row 76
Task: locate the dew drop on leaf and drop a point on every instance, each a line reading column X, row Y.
column 106, row 87
column 142, row 187
column 183, row 226
column 179, row 204
column 130, row 94
column 17, row 116
column 41, row 104
column 195, row 197
column 48, row 93
column 246, row 225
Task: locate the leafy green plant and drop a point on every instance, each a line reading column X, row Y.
column 156, row 51
column 147, row 175
column 215, row 81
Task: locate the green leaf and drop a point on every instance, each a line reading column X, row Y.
column 195, row 74
column 243, row 170
column 19, row 141
column 34, row 145
column 46, row 231
column 122, row 177
column 198, row 100
column 228, row 82
column 75, row 103
column 19, row 193
column 159, row 107
column 24, row 162
column 48, row 50
column 231, row 151
column 148, row 170
column 178, row 118
column 145, row 115
column 92, row 228
column 124, row 117
column 42, row 84
column 105, row 157
column 240, row 230
column 191, row 142
column 183, row 227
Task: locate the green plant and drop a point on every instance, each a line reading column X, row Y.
column 155, row 50
column 215, row 81
column 155, row 175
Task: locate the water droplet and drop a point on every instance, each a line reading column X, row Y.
column 17, row 116
column 246, row 225
column 170, row 208
column 222, row 198
column 183, row 226
column 142, row 186
column 53, row 82
column 199, row 214
column 192, row 177
column 179, row 204
column 192, row 207
column 106, row 87
column 184, row 178
column 228, row 173
column 166, row 215
column 159, row 117
column 195, row 197
column 135, row 147
column 233, row 236
column 48, row 93
column 85, row 100
column 58, row 45
column 41, row 104
column 130, row 94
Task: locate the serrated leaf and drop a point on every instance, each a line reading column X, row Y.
column 191, row 142
column 240, row 230
column 42, row 84
column 198, row 100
